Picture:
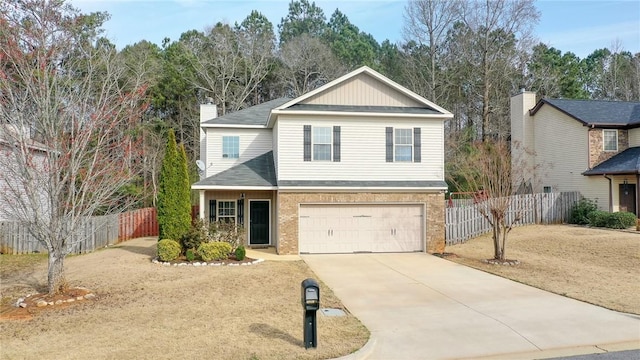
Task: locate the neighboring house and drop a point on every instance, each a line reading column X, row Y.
column 356, row 165
column 12, row 192
column 590, row 146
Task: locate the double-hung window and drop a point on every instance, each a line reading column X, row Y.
column 230, row 147
column 227, row 211
column 403, row 145
column 610, row 140
column 321, row 143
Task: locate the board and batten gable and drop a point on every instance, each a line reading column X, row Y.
column 634, row 137
column 363, row 151
column 562, row 155
column 362, row 90
column 253, row 142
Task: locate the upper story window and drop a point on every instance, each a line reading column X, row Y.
column 403, row 145
column 321, row 143
column 610, row 140
column 231, row 147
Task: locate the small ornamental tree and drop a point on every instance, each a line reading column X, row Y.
column 174, row 202
column 487, row 170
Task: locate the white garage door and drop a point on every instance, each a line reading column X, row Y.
column 360, row 228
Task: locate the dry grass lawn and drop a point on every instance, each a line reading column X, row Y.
column 148, row 311
column 597, row 266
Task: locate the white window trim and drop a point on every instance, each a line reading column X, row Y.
column 235, row 210
column 604, row 143
column 222, row 146
column 395, row 143
column 313, row 143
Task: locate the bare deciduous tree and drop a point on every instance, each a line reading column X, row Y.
column 68, row 114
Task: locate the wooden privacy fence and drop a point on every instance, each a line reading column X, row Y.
column 94, row 233
column 464, row 220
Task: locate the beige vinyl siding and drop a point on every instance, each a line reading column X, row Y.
column 634, row 137
column 522, row 132
column 363, row 154
column 274, row 137
column 253, row 142
column 362, row 90
column 562, row 148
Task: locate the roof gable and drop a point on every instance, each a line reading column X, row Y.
column 599, row 113
column 363, row 87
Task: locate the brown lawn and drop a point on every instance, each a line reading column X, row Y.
column 597, row 266
column 146, row 311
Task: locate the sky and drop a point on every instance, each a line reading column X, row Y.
column 578, row 26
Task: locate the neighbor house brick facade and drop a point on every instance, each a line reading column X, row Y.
column 590, row 146
column 356, row 165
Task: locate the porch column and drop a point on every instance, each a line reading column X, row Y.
column 201, row 207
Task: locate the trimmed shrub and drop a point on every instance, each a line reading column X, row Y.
column 190, row 255
column 581, row 210
column 240, row 253
column 621, row 220
column 617, row 220
column 227, row 232
column 216, row 250
column 168, row 250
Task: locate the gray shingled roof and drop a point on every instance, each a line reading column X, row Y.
column 627, row 162
column 255, row 115
column 258, row 171
column 354, row 108
column 597, row 112
column 344, row 183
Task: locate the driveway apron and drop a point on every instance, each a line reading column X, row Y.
column 418, row 306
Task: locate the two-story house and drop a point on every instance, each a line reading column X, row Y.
column 356, row 165
column 590, row 146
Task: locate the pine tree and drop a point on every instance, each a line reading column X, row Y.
column 174, row 205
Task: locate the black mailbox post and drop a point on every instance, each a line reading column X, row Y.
column 310, row 304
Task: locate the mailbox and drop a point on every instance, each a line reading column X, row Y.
column 310, row 298
column 310, row 295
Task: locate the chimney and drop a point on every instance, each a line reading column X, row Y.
column 208, row 111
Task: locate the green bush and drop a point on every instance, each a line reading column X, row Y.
column 581, row 210
column 621, row 220
column 168, row 250
column 190, row 255
column 617, row 220
column 216, row 250
column 240, row 253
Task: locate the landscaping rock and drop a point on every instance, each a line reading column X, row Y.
column 22, row 305
column 90, row 296
column 41, row 303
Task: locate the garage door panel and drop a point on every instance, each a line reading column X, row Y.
column 333, row 228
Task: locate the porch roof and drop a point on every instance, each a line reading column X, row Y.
column 626, row 162
column 257, row 172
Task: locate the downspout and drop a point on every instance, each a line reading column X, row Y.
column 610, row 193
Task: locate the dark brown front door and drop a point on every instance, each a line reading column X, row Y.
column 628, row 198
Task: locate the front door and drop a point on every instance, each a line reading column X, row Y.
column 628, row 197
column 259, row 222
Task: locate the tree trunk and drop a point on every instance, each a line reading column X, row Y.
column 56, row 280
column 497, row 249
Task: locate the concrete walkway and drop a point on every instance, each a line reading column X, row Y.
column 418, row 306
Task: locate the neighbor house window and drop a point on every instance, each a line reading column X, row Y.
column 227, row 211
column 321, row 143
column 403, row 141
column 610, row 138
column 546, row 189
column 231, row 147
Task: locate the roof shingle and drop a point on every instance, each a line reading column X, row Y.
column 597, row 112
column 626, row 162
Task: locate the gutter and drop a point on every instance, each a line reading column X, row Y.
column 610, row 193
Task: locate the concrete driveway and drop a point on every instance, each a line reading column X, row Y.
column 419, row 306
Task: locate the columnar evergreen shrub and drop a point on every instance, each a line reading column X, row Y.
column 174, row 204
column 168, row 250
column 240, row 253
